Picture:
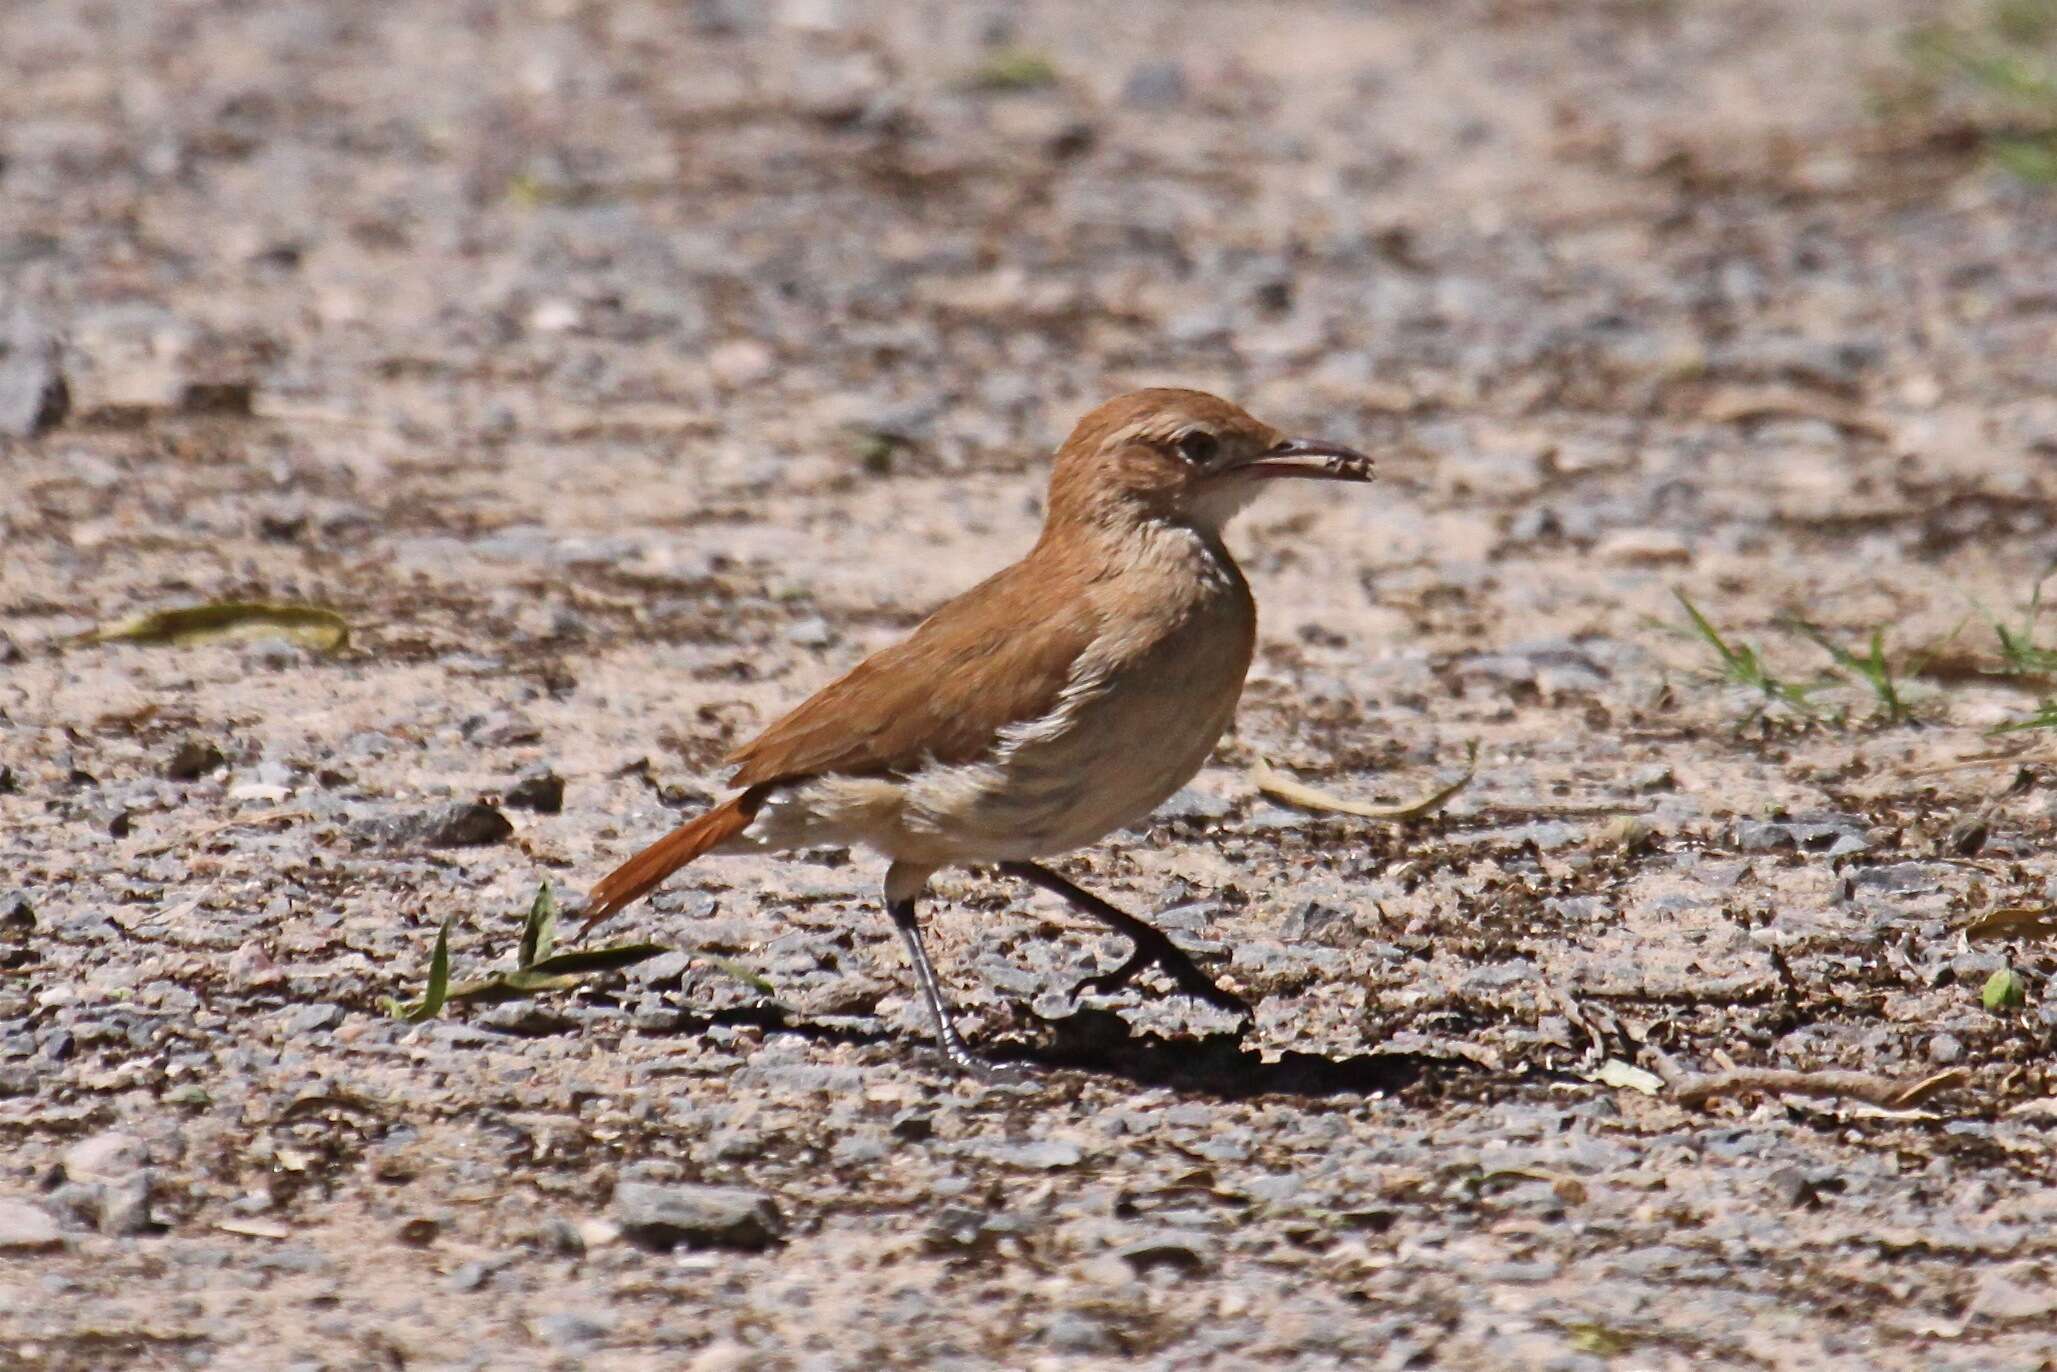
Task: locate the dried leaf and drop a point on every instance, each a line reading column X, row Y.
column 1281, row 787
column 2015, row 921
column 1627, row 1077
column 1598, row 1340
column 1013, row 69
column 744, row 975
column 2004, row 990
column 322, row 630
column 1887, row 1093
column 1743, row 403
column 255, row 1229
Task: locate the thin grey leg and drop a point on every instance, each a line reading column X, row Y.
column 947, row 1038
column 1152, row 946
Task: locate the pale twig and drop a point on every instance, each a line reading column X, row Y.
column 1281, row 787
column 1888, row 1093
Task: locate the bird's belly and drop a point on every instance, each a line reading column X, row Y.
column 1059, row 786
column 1070, row 780
column 1112, row 749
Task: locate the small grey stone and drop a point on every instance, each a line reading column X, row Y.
column 1653, row 777
column 1498, row 974
column 571, row 1328
column 1154, row 85
column 1046, row 1155
column 104, row 1157
column 861, row 1147
column 562, row 1237
column 663, row 969
column 2020, row 1292
column 273, row 655
column 25, row 1228
column 1190, row 804
column 277, row 772
column 1185, row 1253
column 500, row 729
column 662, row 1217
column 1945, row 1049
column 125, row 1205
column 313, row 1019
column 539, row 789
column 462, row 824
column 34, row 397
column 811, row 633
column 77, row 1204
column 914, row 1125
column 469, row 1277
column 1069, row 1331
column 17, row 916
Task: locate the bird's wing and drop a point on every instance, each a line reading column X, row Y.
column 943, row 693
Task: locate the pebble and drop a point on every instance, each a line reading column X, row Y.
column 811, row 633
column 2022, row 1291
column 312, row 1019
column 34, row 397
column 500, row 729
column 1043, row 1155
column 539, row 789
column 25, row 1228
column 1154, row 85
column 571, row 1328
column 743, row 362
column 664, row 1217
column 1643, row 548
column 1070, row 1331
column 193, row 759
column 125, row 1205
column 104, row 1157
column 469, row 1276
column 461, row 824
column 1181, row 1252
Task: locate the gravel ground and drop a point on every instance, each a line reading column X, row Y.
column 621, row 371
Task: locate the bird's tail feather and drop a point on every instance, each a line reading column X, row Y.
column 635, row 878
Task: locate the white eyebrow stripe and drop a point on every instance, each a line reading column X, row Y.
column 1130, row 434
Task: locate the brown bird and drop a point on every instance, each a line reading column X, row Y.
column 1049, row 705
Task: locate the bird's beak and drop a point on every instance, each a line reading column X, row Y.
column 1311, row 458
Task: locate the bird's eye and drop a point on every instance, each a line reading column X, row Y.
column 1199, row 447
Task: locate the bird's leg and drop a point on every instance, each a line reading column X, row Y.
column 903, row 888
column 1152, row 945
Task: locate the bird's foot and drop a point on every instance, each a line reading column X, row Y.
column 959, row 1055
column 1155, row 949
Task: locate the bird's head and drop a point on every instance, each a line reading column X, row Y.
column 1181, row 455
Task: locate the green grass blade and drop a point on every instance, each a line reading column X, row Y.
column 438, row 991
column 539, row 931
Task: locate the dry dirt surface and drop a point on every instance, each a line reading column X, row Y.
column 621, row 371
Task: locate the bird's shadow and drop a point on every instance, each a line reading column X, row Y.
column 1223, row 1065
column 1104, row 1044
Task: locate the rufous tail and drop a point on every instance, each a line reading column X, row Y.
column 635, row 878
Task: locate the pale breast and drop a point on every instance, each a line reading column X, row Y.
column 1144, row 706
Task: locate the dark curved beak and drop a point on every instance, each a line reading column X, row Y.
column 1311, row 458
